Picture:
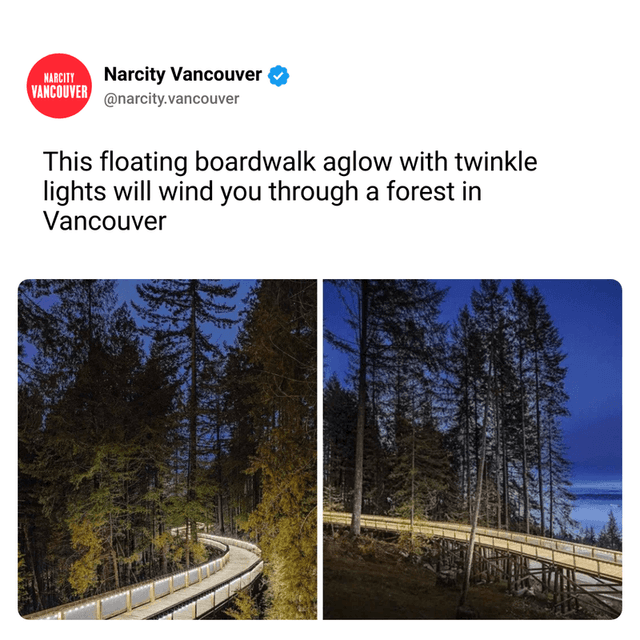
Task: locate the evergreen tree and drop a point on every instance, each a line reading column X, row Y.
column 244, row 607
column 396, row 333
column 610, row 536
column 340, row 416
column 278, row 338
column 519, row 326
column 356, row 297
column 466, row 374
column 421, row 475
column 63, row 325
column 549, row 396
column 489, row 305
column 589, row 536
column 177, row 311
column 92, row 433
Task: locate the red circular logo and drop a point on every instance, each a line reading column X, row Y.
column 59, row 85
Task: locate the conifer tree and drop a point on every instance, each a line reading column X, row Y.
column 520, row 331
column 279, row 340
column 489, row 305
column 466, row 374
column 177, row 311
column 92, row 440
column 549, row 396
column 394, row 324
column 610, row 536
column 244, row 607
column 340, row 416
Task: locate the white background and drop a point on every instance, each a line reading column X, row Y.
column 557, row 80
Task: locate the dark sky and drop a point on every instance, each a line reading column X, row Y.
column 588, row 315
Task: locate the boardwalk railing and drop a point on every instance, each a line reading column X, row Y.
column 113, row 603
column 594, row 561
column 206, row 601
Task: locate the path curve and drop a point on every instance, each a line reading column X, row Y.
column 183, row 595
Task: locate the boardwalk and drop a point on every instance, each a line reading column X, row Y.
column 239, row 562
column 594, row 561
column 184, row 595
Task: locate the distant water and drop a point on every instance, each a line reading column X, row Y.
column 594, row 501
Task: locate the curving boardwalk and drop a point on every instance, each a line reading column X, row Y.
column 180, row 596
column 593, row 561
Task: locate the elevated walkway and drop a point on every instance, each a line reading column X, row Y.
column 183, row 595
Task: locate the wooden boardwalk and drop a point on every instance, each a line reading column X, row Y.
column 594, row 561
column 239, row 562
column 200, row 588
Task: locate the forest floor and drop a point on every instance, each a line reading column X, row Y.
column 369, row 579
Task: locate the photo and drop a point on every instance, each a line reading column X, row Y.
column 472, row 452
column 167, row 438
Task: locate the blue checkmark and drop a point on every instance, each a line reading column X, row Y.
column 278, row 75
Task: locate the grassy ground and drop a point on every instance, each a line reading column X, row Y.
column 368, row 579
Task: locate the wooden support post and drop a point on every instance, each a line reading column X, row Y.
column 491, row 564
column 569, row 591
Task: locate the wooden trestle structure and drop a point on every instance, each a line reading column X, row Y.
column 568, row 590
column 572, row 576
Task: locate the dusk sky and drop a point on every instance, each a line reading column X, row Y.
column 588, row 315
column 126, row 290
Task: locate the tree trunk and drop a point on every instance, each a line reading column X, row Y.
column 362, row 405
column 219, row 465
column 191, row 472
column 505, row 479
column 525, row 468
column 539, row 446
column 32, row 562
column 476, row 510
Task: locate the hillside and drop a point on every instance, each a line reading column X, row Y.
column 366, row 578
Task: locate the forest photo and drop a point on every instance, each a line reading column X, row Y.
column 167, row 449
column 472, row 451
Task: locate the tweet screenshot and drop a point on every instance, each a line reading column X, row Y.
column 320, row 314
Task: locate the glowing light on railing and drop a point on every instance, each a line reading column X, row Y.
column 162, row 586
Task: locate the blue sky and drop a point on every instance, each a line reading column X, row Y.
column 126, row 290
column 588, row 315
